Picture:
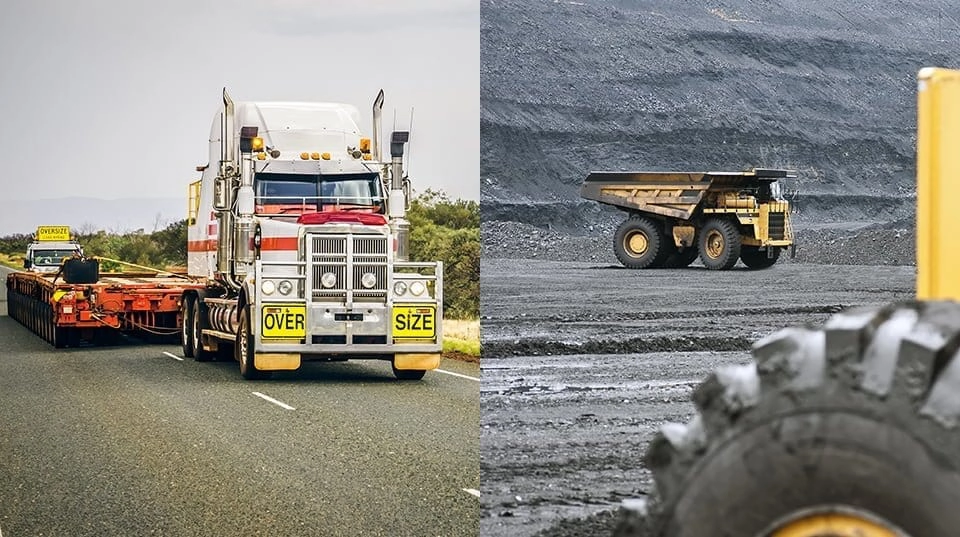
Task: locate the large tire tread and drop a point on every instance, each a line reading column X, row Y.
column 657, row 245
column 731, row 239
column 888, row 373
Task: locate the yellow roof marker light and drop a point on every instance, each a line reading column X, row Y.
column 364, row 145
column 326, row 156
column 315, row 156
column 257, row 144
column 305, row 156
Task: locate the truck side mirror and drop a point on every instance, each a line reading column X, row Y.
column 26, row 263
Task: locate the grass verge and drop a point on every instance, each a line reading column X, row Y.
column 461, row 339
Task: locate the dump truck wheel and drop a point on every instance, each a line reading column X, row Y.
column 244, row 348
column 639, row 243
column 186, row 329
column 758, row 259
column 719, row 244
column 850, row 429
column 681, row 259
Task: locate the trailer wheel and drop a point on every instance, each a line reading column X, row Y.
column 186, row 329
column 757, row 259
column 849, row 429
column 719, row 244
column 243, row 348
column 639, row 243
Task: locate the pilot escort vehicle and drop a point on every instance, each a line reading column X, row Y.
column 50, row 246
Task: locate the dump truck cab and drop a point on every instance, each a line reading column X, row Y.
column 675, row 217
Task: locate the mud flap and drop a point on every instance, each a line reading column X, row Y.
column 276, row 361
column 416, row 361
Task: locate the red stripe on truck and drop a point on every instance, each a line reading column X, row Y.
column 279, row 243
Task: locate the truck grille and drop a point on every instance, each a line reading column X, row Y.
column 777, row 226
column 348, row 257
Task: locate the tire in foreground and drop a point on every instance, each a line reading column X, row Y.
column 850, row 429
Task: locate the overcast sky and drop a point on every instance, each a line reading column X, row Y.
column 114, row 98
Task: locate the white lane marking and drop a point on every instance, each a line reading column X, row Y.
column 457, row 375
column 472, row 492
column 274, row 401
column 174, row 356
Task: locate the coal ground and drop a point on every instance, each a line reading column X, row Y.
column 583, row 360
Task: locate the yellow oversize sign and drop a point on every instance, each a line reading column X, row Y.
column 415, row 322
column 283, row 321
column 53, row 233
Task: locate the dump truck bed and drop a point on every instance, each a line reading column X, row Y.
column 672, row 194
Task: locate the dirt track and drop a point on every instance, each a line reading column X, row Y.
column 584, row 361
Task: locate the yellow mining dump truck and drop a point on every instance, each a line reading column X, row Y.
column 845, row 430
column 676, row 216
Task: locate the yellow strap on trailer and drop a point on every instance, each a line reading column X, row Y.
column 938, row 183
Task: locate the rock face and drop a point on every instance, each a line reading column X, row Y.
column 824, row 88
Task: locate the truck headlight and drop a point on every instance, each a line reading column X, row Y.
column 285, row 287
column 368, row 280
column 417, row 288
column 400, row 288
column 268, row 287
column 328, row 280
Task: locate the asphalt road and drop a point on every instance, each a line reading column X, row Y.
column 133, row 440
column 583, row 362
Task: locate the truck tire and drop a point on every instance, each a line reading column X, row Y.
column 186, row 329
column 639, row 243
column 243, row 348
column 408, row 374
column 757, row 259
column 854, row 424
column 719, row 244
column 681, row 259
column 199, row 317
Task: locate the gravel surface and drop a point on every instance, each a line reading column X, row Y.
column 582, row 362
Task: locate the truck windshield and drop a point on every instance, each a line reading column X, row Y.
column 50, row 257
column 287, row 193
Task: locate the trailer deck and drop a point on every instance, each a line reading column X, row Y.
column 65, row 314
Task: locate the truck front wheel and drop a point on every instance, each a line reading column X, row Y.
column 243, row 348
column 408, row 374
column 639, row 243
column 719, row 244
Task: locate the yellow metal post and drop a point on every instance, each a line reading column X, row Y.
column 938, row 184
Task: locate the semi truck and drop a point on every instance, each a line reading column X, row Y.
column 675, row 217
column 51, row 244
column 297, row 231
